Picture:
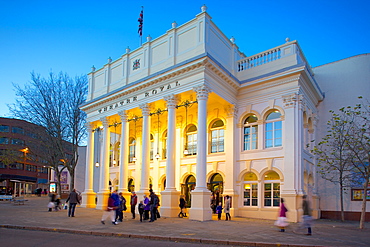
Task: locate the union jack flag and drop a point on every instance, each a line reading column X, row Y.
column 141, row 20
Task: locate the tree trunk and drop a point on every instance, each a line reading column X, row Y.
column 341, row 202
column 363, row 212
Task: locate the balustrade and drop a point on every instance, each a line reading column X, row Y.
column 259, row 59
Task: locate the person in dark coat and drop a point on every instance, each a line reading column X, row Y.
column 182, row 206
column 73, row 199
column 141, row 210
column 121, row 207
column 133, row 203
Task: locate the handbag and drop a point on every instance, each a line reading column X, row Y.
column 51, row 205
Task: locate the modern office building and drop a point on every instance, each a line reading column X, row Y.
column 22, row 169
column 188, row 113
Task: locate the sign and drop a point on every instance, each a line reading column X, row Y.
column 53, row 187
column 139, row 97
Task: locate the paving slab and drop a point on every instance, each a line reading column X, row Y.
column 34, row 215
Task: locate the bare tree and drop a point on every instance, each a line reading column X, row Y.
column 333, row 155
column 53, row 103
column 358, row 142
column 344, row 153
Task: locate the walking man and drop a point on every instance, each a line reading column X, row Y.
column 307, row 218
column 73, row 199
column 133, row 203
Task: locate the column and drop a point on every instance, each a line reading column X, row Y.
column 200, row 196
column 123, row 168
column 145, row 154
column 88, row 196
column 170, row 196
column 103, row 193
column 230, row 157
column 293, row 187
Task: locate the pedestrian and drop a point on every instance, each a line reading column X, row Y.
column 121, row 207
column 116, row 203
column 73, row 199
column 51, row 204
column 133, row 203
column 306, row 218
column 154, row 202
column 141, row 210
column 146, row 207
column 219, row 211
column 227, row 208
column 182, row 206
column 57, row 203
column 281, row 221
column 110, row 211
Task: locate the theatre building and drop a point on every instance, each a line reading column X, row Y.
column 188, row 113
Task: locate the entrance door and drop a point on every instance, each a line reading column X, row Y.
column 217, row 188
column 187, row 188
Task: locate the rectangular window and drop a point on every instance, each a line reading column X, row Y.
column 217, row 143
column 17, row 142
column 4, row 140
column 31, row 168
column 4, row 128
column 273, row 134
column 250, row 137
column 16, row 166
column 2, row 165
column 251, row 194
column 272, row 195
column 17, row 130
column 192, row 144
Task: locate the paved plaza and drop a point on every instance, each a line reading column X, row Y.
column 34, row 215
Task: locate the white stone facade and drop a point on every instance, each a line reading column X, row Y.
column 243, row 122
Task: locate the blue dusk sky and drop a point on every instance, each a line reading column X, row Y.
column 71, row 36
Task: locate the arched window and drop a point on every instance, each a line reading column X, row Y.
column 164, row 145
column 250, row 190
column 273, row 130
column 131, row 185
column 151, row 146
column 111, row 155
column 271, row 189
column 217, row 137
column 132, row 148
column 250, row 133
column 191, row 140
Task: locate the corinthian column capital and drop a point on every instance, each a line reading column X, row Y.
column 171, row 101
column 202, row 92
column 145, row 109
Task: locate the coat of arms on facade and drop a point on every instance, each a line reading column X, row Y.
column 136, row 64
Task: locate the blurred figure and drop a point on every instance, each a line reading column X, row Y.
column 110, row 211
column 182, row 206
column 306, row 218
column 133, row 203
column 227, row 208
column 282, row 220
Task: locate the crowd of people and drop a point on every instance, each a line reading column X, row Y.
column 148, row 208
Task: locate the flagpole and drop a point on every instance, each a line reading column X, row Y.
column 141, row 25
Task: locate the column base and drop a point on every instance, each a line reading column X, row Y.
column 88, row 199
column 200, row 205
column 170, row 203
column 102, row 200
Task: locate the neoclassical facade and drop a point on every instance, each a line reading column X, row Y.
column 188, row 113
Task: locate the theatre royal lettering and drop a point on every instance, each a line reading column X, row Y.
column 139, row 97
